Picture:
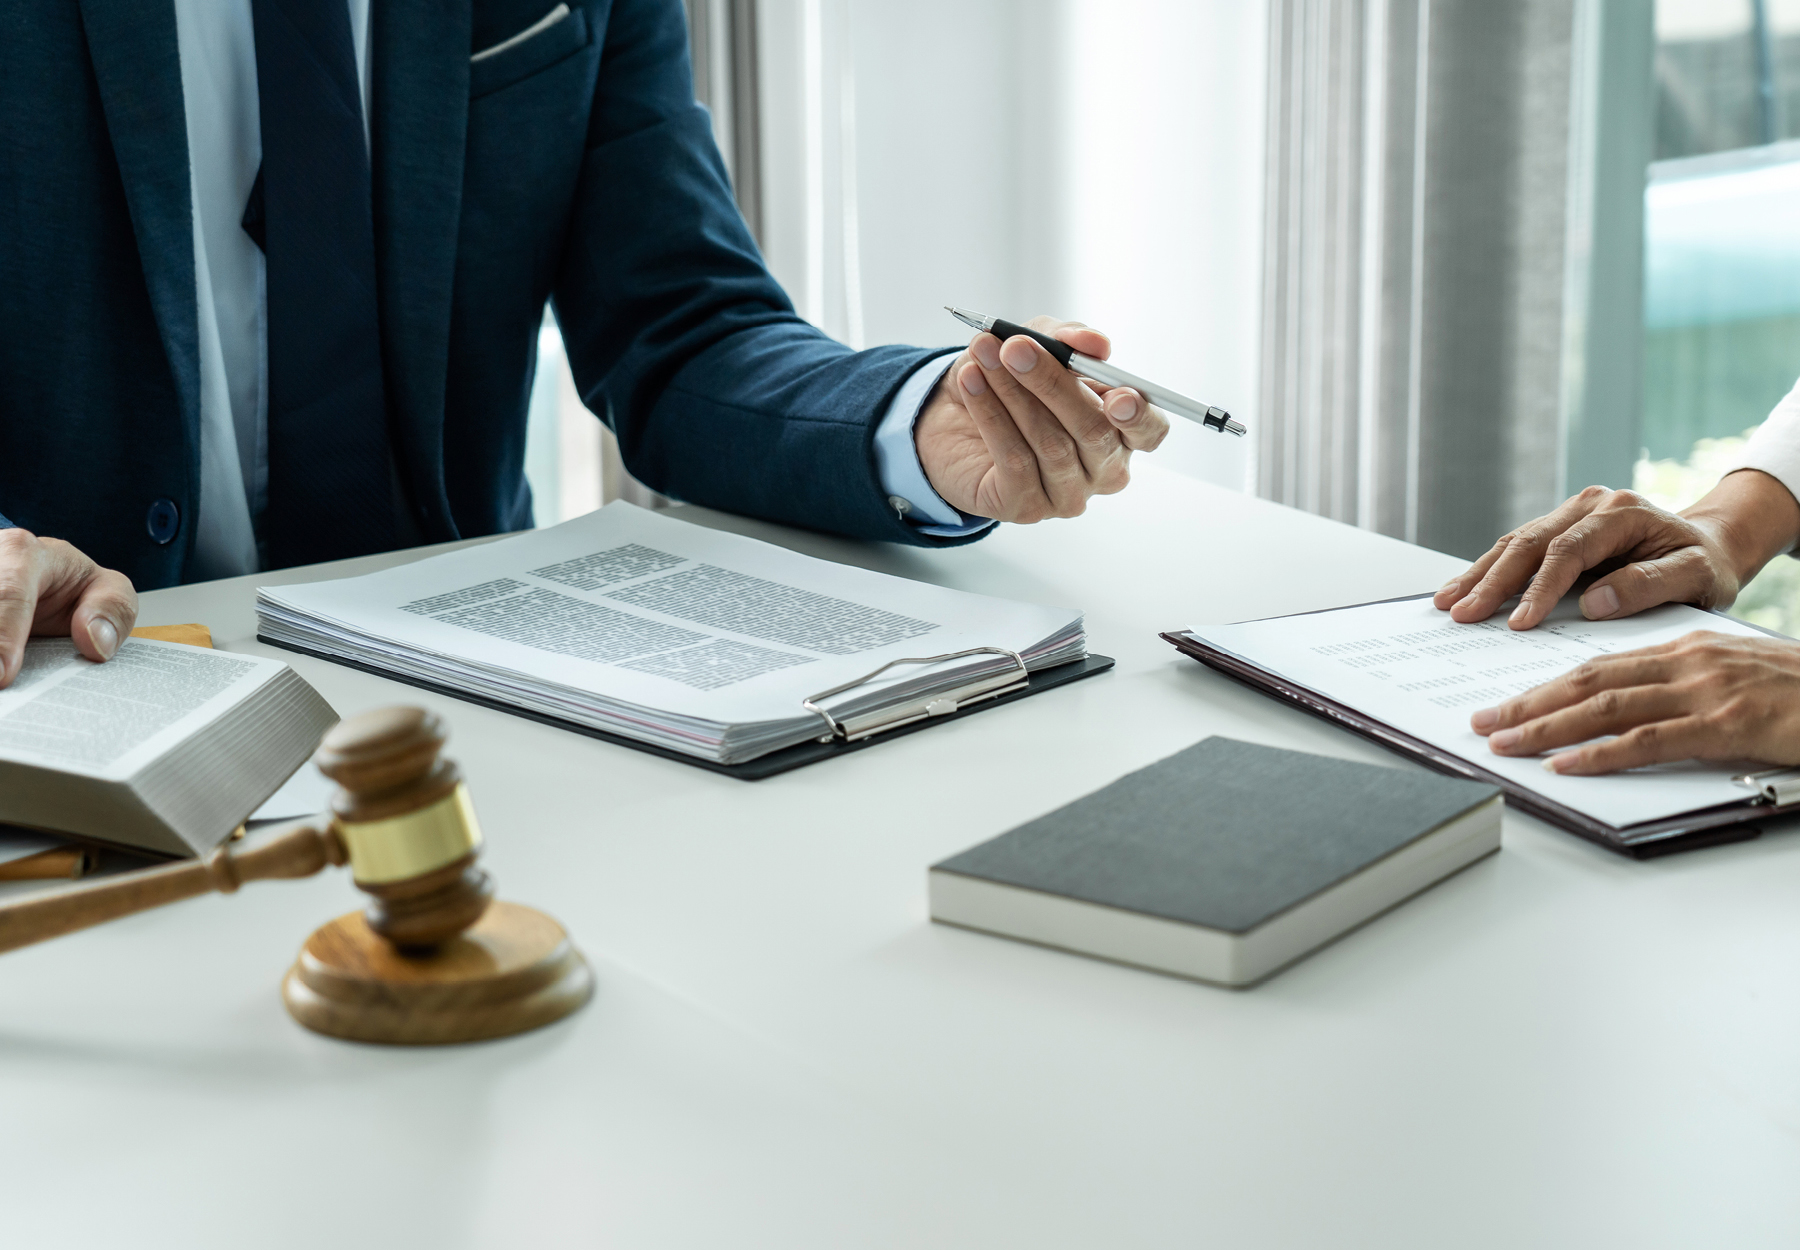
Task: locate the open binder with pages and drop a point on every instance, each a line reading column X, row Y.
column 1402, row 674
column 702, row 646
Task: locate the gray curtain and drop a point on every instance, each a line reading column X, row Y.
column 1453, row 247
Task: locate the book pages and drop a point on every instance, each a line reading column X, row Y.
column 66, row 712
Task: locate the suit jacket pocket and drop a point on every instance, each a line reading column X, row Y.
column 552, row 44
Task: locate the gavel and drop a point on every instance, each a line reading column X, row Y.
column 432, row 958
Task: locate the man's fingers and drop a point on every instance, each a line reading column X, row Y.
column 96, row 607
column 1141, row 426
column 1077, row 434
column 1458, row 587
column 1518, row 556
column 49, row 587
column 19, row 570
column 1514, row 565
column 103, row 614
column 1018, row 490
column 1084, row 339
column 1566, row 557
column 1061, row 459
column 1661, row 742
column 1608, row 712
column 1062, row 403
column 1650, row 666
column 1683, row 577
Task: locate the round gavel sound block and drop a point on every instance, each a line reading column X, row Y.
column 433, row 958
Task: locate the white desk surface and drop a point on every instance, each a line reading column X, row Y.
column 1559, row 1047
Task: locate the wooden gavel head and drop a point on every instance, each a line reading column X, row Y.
column 406, row 824
column 429, row 961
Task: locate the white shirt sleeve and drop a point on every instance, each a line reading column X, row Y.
column 909, row 491
column 1775, row 446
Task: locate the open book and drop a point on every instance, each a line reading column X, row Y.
column 711, row 645
column 164, row 747
column 1404, row 674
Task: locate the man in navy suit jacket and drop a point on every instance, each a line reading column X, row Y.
column 513, row 157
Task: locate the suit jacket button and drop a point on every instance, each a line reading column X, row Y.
column 163, row 521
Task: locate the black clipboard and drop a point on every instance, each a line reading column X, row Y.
column 1688, row 831
column 782, row 761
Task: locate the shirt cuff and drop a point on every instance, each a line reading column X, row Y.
column 1774, row 447
column 903, row 479
column 4, row 523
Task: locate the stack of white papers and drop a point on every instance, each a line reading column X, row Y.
column 638, row 624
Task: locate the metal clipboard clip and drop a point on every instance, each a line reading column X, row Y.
column 855, row 728
column 1778, row 786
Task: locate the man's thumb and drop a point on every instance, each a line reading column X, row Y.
column 1682, row 577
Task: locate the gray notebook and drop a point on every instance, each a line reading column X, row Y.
column 1224, row 862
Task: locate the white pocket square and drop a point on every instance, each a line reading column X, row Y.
column 538, row 27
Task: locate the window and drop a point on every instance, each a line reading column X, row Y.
column 1722, row 254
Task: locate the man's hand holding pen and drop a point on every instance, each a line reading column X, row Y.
column 1013, row 435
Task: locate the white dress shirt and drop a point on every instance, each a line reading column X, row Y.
column 1774, row 447
column 218, row 85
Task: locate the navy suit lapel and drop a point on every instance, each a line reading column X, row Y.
column 137, row 63
column 420, row 110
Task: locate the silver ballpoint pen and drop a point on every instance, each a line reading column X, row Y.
column 1109, row 374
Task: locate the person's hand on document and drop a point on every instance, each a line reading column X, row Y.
column 1700, row 556
column 1704, row 696
column 48, row 587
column 1011, row 434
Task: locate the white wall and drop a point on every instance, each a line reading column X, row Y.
column 1095, row 159
column 957, row 134
column 1164, row 234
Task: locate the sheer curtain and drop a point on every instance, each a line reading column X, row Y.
column 1453, row 273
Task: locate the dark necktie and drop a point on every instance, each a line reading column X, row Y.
column 331, row 482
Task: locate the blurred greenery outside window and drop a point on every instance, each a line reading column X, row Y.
column 1722, row 254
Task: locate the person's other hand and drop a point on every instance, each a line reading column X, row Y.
column 1671, row 559
column 1704, row 696
column 48, row 587
column 1701, row 556
column 1011, row 434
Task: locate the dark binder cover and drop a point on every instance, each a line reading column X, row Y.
column 785, row 760
column 1712, row 826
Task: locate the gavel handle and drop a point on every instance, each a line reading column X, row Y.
column 297, row 853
